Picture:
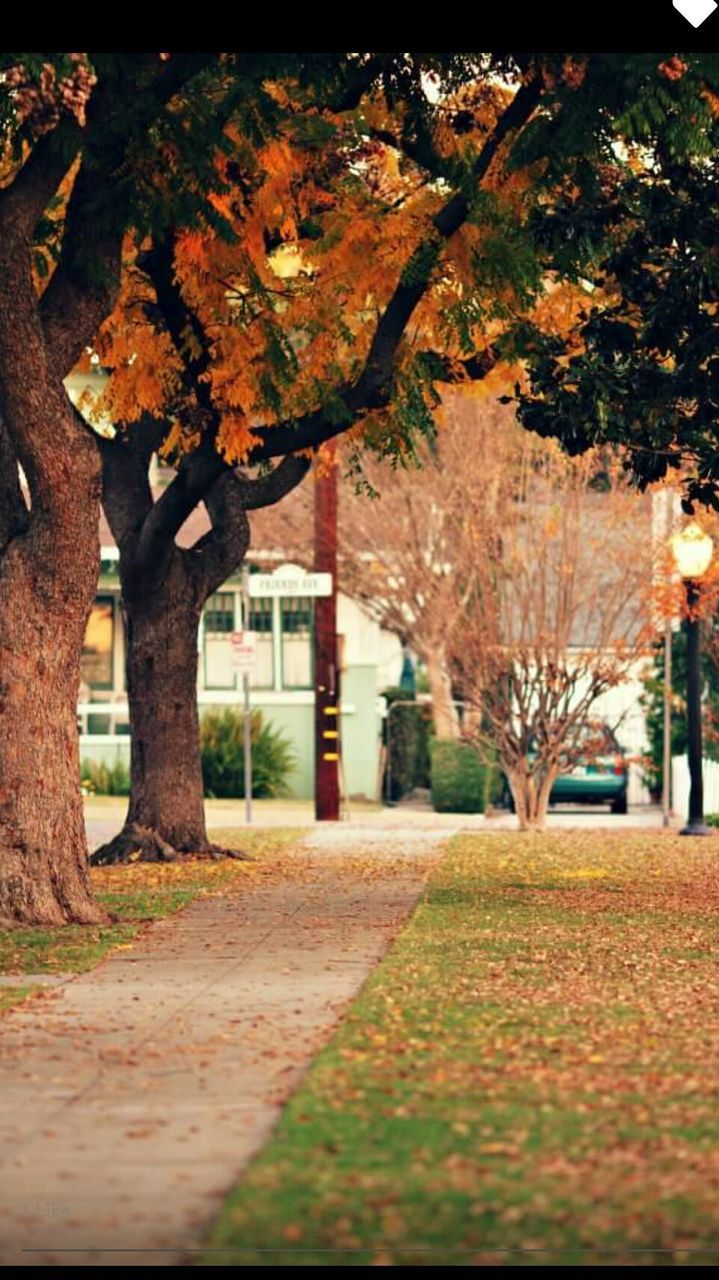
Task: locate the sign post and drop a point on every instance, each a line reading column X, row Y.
column 243, row 659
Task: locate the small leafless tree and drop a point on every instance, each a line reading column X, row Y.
column 408, row 553
column 560, row 613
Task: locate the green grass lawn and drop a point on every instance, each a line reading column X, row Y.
column 134, row 895
column 530, row 1078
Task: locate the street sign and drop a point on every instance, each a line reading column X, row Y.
column 244, row 649
column 290, row 582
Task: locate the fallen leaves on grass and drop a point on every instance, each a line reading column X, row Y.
column 530, row 1076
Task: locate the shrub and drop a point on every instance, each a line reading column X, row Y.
column 425, row 732
column 461, row 782
column 404, row 744
column 105, row 780
column 223, row 756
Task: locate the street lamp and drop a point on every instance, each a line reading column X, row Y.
column 692, row 550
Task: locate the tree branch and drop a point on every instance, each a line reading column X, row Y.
column 85, row 281
column 372, row 390
column 126, row 494
column 265, row 491
column 211, row 561
column 30, row 192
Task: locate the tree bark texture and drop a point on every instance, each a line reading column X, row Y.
column 531, row 797
column 444, row 712
column 166, row 810
column 48, row 578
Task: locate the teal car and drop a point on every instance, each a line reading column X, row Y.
column 600, row 776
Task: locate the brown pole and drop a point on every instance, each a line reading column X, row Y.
column 327, row 693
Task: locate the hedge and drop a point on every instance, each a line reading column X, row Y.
column 461, row 781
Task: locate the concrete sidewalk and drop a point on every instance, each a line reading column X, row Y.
column 134, row 1095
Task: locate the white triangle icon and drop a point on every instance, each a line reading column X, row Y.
column 695, row 11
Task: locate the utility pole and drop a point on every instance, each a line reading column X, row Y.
column 327, row 692
column 668, row 633
column 246, row 698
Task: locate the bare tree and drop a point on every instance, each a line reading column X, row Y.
column 560, row 614
column 408, row 553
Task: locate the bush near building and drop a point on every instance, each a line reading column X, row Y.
column 461, row 781
column 98, row 778
column 223, row 756
column 409, row 737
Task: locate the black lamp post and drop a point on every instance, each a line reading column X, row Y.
column 693, row 552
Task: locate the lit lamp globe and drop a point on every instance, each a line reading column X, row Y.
column 692, row 550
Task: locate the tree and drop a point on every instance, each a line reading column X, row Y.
column 321, row 198
column 407, row 552
column 561, row 613
column 99, row 151
column 179, row 310
column 137, row 152
column 641, row 369
column 76, row 137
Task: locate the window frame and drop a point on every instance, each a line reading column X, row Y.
column 103, row 597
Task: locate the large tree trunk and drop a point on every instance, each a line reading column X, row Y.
column 444, row 712
column 48, row 578
column 166, row 776
column 44, row 877
column 164, row 591
column 166, row 811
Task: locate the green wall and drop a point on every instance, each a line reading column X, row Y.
column 360, row 736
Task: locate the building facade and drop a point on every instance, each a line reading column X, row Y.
column 281, row 688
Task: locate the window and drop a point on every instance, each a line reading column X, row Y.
column 97, row 650
column 219, row 625
column 260, row 621
column 296, row 622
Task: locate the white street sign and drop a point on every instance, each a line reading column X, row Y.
column 243, row 651
column 290, row 584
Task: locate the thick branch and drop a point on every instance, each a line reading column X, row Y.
column 265, row 491
column 415, row 279
column 372, row 390
column 212, row 559
column 126, row 493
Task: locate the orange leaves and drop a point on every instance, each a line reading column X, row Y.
column 178, row 441
column 235, row 439
column 193, row 246
column 673, row 68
